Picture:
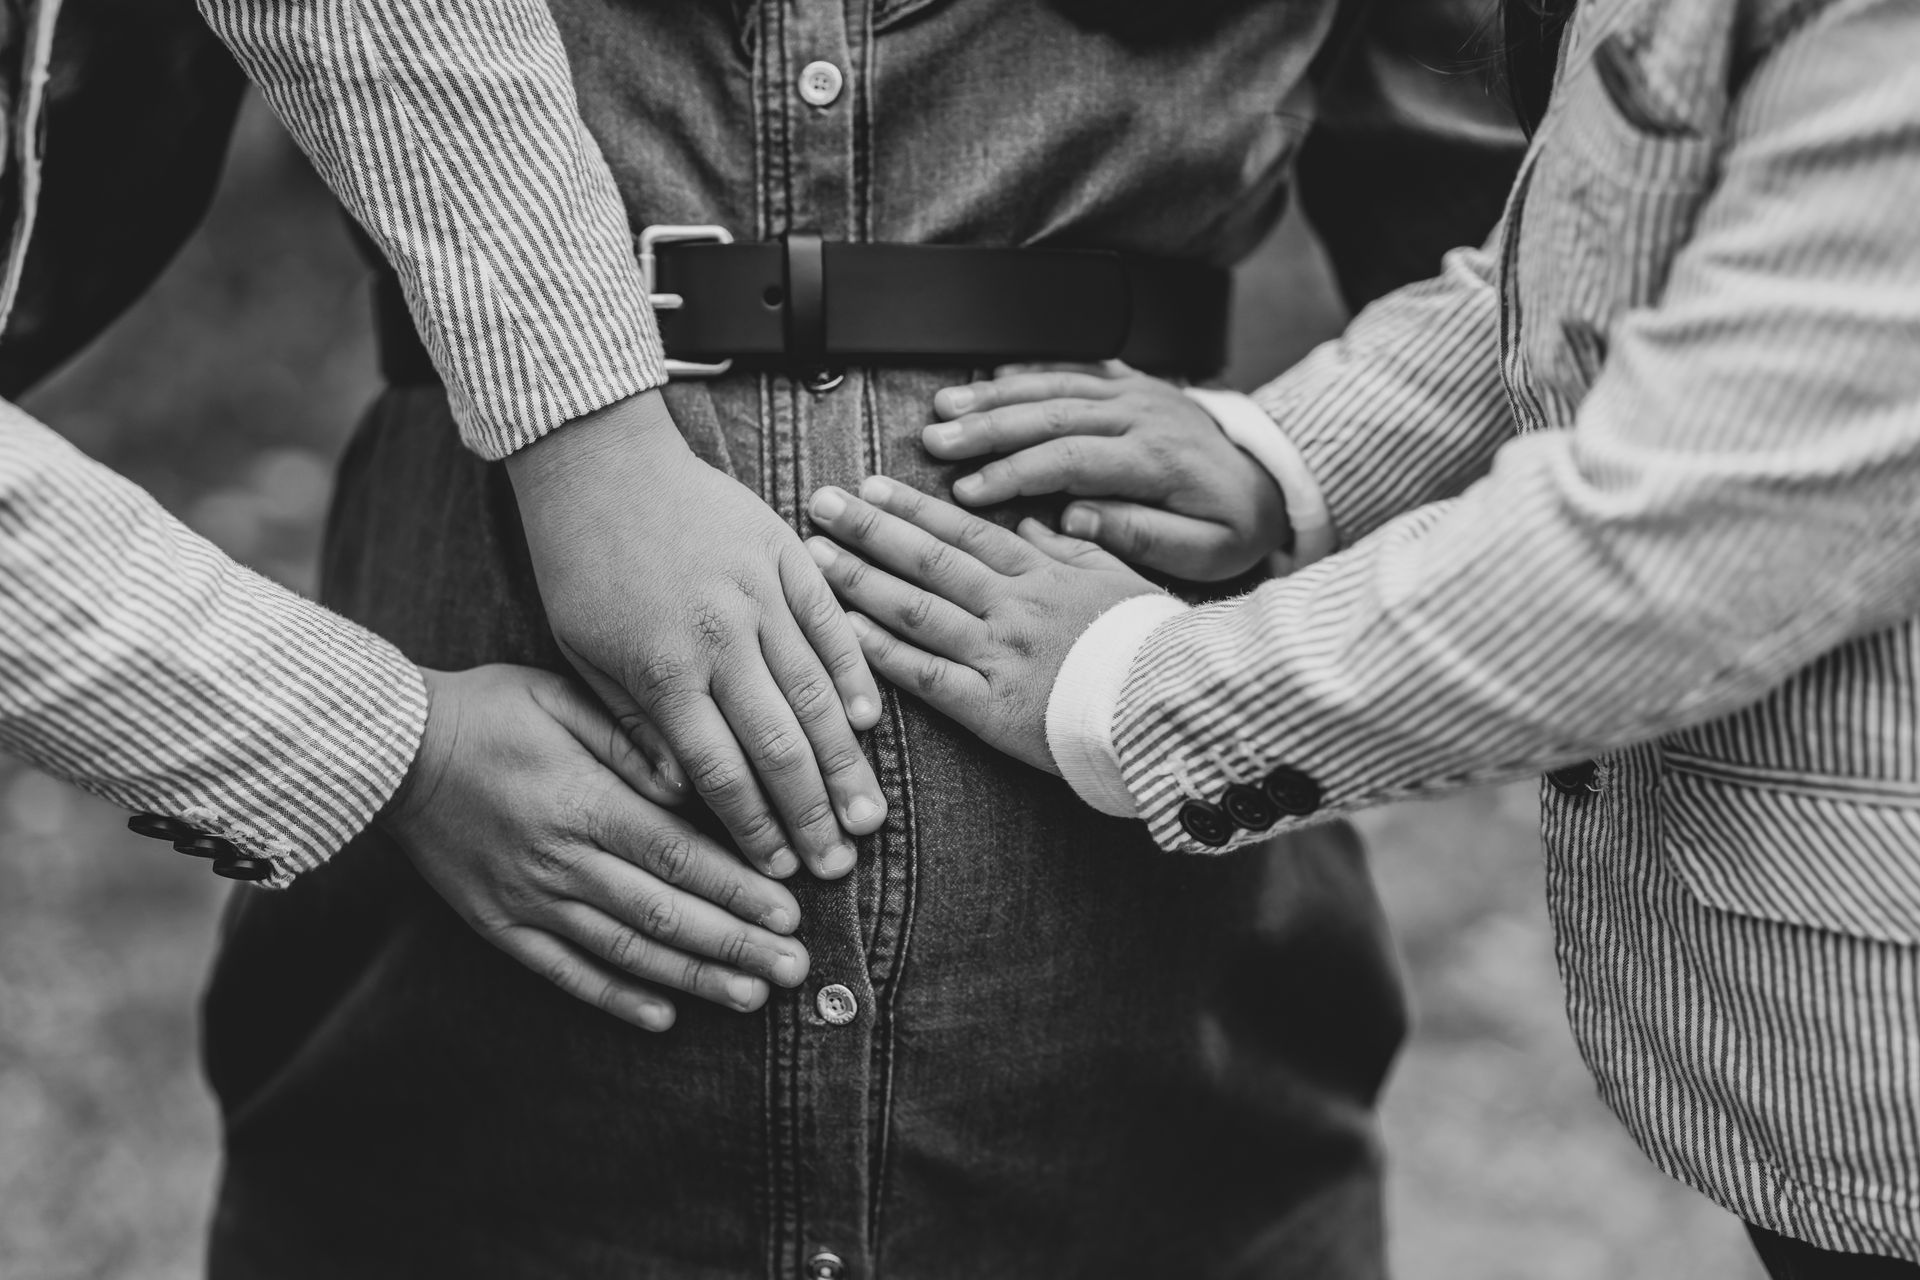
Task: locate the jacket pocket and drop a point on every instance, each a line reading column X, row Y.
column 1819, row 851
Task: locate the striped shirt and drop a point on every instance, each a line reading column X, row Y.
column 1640, row 481
column 139, row 662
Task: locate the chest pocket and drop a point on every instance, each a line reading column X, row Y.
column 1621, row 168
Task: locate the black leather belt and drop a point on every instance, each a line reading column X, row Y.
column 803, row 306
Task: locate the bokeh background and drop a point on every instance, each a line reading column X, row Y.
column 229, row 391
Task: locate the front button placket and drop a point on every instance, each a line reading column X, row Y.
column 809, row 66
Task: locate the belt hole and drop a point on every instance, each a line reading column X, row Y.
column 774, row 296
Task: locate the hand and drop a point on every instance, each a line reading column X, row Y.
column 1174, row 494
column 541, row 823
column 985, row 621
column 680, row 597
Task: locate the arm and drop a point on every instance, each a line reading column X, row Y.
column 1734, row 500
column 450, row 130
column 140, row 663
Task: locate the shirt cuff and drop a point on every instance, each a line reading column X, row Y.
column 1085, row 693
column 1249, row 427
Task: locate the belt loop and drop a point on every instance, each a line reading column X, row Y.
column 806, row 312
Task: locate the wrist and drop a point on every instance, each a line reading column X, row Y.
column 423, row 774
column 636, row 431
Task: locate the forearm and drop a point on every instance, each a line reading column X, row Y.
column 140, row 663
column 450, row 130
column 1407, row 407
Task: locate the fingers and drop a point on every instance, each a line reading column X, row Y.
column 1025, row 384
column 934, row 625
column 781, row 757
column 843, row 766
column 934, row 560
column 948, row 687
column 633, row 749
column 647, row 928
column 825, row 627
column 1079, row 464
column 874, row 522
column 718, row 768
column 1198, row 550
column 1073, row 551
column 574, row 972
column 668, row 848
column 1017, row 426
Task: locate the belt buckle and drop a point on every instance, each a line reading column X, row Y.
column 660, row 234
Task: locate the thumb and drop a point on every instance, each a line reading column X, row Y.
column 631, row 745
column 1185, row 547
column 1074, row 551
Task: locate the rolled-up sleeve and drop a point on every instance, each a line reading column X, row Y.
column 143, row 665
column 449, row 129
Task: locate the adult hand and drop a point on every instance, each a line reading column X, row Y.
column 1160, row 483
column 542, row 824
column 681, row 597
column 978, row 621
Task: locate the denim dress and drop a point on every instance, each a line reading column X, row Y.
column 1053, row 1050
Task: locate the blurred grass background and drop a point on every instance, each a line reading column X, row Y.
column 228, row 393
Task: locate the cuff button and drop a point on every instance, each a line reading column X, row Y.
column 1207, row 823
column 206, row 847
column 1294, row 793
column 1576, row 780
column 1249, row 807
column 243, row 868
column 157, row 826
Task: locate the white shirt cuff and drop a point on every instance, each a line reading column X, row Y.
column 1248, row 426
column 1085, row 693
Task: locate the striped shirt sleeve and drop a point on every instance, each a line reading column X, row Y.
column 1405, row 407
column 143, row 665
column 1733, row 499
column 449, row 129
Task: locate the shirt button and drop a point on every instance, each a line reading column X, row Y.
column 837, row 1005
column 1249, row 807
column 1207, row 823
column 820, row 83
column 1575, row 780
column 1293, row 792
column 825, row 1266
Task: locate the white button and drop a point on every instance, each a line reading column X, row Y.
column 820, row 83
column 837, row 1005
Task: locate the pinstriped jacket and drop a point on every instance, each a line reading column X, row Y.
column 135, row 659
column 1640, row 480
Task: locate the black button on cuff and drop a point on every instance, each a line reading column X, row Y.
column 1249, row 807
column 1575, row 779
column 243, row 868
column 157, row 826
column 1207, row 823
column 1295, row 793
column 206, row 847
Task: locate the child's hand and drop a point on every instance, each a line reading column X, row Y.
column 986, row 620
column 547, row 829
column 1174, row 493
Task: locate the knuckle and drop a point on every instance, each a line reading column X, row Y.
column 844, row 759
column 758, row 830
column 735, row 950
column 930, row 678
column 711, row 624
column 674, row 859
column 552, row 859
column 657, row 915
column 845, row 662
column 813, row 698
column 661, row 676
column 815, row 813
column 623, row 948
column 936, row 561
column 714, row 775
column 917, row 612
column 865, row 523
column 779, row 748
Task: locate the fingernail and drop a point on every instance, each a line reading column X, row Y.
column 655, row 1017
column 966, row 486
column 862, row 809
column 742, row 990
column 822, row 552
column 876, row 489
column 944, row 434
column 782, row 864
column 862, row 709
column 828, row 504
column 861, row 627
column 1081, row 522
column 836, row 862
column 955, row 399
column 789, row 970
column 780, row 920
